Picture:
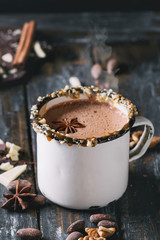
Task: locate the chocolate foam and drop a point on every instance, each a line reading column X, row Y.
column 98, row 118
column 102, row 96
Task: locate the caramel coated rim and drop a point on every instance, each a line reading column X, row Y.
column 101, row 95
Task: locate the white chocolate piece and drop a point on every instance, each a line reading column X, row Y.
column 6, row 166
column 9, row 145
column 13, row 151
column 7, row 57
column 12, row 174
column 38, row 50
column 13, row 70
column 74, row 82
column 17, row 32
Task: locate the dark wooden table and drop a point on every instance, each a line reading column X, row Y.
column 135, row 41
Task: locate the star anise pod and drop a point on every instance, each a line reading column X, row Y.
column 68, row 126
column 20, row 197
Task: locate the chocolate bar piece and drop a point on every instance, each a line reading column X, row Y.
column 32, row 54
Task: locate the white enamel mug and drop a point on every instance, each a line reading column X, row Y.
column 87, row 177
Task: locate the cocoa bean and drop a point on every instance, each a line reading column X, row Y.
column 23, row 183
column 38, row 201
column 96, row 71
column 112, row 64
column 107, row 224
column 95, row 218
column 29, row 233
column 74, row 236
column 76, row 226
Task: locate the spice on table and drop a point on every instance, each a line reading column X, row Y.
column 107, row 224
column 100, row 233
column 29, row 233
column 21, row 196
column 25, row 43
column 38, row 201
column 68, row 126
column 76, row 226
column 22, row 183
column 95, row 218
column 33, row 201
column 74, row 236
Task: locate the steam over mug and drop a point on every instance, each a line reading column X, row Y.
column 86, row 173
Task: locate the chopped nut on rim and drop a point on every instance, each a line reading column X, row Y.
column 106, row 232
column 101, row 97
column 42, row 121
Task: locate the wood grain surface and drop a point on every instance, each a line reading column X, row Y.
column 134, row 38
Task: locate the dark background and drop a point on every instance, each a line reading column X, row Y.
column 12, row 6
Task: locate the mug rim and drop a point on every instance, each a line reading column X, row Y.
column 102, row 95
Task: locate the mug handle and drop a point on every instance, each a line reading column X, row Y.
column 145, row 139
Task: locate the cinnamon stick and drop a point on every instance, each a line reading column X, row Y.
column 25, row 43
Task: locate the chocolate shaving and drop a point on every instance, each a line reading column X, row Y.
column 20, row 162
column 68, row 126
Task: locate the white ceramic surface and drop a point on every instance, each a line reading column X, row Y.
column 82, row 177
column 86, row 177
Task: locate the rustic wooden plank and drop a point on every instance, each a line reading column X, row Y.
column 139, row 208
column 54, row 220
column 136, row 222
column 120, row 26
column 14, row 128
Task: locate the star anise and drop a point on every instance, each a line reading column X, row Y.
column 68, row 126
column 21, row 196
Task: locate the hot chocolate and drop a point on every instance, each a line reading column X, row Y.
column 97, row 118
